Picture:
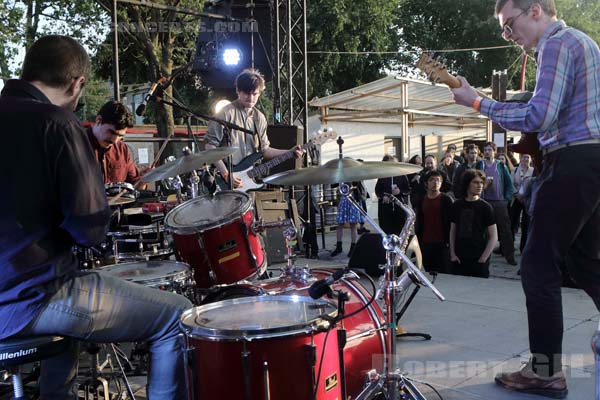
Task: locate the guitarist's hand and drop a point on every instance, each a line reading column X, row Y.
column 298, row 151
column 464, row 95
column 237, row 181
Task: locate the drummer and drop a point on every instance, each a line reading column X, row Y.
column 106, row 137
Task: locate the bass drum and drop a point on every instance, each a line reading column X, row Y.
column 365, row 331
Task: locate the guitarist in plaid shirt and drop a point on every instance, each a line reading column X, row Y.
column 565, row 207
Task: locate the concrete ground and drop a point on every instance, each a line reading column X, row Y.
column 480, row 330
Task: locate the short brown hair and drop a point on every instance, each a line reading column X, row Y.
column 249, row 80
column 490, row 144
column 55, row 60
column 547, row 5
column 116, row 114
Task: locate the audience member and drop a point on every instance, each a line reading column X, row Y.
column 518, row 213
column 473, row 231
column 471, row 154
column 498, row 192
column 391, row 217
column 432, row 225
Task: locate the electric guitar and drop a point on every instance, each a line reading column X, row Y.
column 436, row 72
column 250, row 173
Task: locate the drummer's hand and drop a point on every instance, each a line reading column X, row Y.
column 386, row 199
column 298, row 151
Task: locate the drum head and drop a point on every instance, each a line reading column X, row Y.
column 148, row 273
column 207, row 212
column 257, row 317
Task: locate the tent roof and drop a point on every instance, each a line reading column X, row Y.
column 380, row 101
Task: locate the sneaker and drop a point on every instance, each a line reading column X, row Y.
column 527, row 381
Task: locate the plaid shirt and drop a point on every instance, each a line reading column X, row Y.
column 565, row 106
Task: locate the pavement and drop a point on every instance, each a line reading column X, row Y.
column 480, row 330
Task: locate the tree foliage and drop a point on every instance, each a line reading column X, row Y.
column 348, row 26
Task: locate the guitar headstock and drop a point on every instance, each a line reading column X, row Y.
column 323, row 136
column 436, row 71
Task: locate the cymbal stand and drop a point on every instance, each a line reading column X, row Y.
column 391, row 382
column 194, row 180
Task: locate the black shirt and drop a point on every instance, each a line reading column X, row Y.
column 472, row 219
column 53, row 197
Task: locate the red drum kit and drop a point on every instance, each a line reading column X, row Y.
column 215, row 235
column 274, row 338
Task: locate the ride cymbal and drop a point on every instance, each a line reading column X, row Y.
column 342, row 170
column 187, row 164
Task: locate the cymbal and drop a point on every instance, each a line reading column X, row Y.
column 187, row 164
column 344, row 170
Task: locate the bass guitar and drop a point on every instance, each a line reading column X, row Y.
column 250, row 173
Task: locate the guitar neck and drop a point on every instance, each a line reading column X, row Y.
column 265, row 166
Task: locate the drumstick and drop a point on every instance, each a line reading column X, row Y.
column 114, row 199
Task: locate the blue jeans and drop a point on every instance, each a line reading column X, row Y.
column 96, row 307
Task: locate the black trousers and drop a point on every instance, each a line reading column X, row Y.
column 436, row 257
column 519, row 218
column 564, row 232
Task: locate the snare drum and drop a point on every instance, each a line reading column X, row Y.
column 365, row 347
column 214, row 235
column 266, row 347
column 171, row 276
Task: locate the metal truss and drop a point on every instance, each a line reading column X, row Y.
column 290, row 106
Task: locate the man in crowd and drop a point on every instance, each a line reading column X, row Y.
column 249, row 85
column 565, row 211
column 472, row 152
column 418, row 190
column 432, row 225
column 42, row 292
column 473, row 231
column 106, row 137
column 499, row 192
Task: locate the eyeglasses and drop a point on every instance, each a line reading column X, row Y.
column 507, row 30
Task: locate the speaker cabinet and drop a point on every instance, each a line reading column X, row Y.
column 285, row 137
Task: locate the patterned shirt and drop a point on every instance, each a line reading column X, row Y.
column 565, row 106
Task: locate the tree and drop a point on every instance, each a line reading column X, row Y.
column 456, row 24
column 348, row 26
column 156, row 42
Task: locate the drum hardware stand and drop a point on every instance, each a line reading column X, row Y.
column 194, row 180
column 400, row 313
column 391, row 382
column 96, row 386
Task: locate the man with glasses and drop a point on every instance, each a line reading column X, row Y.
column 565, row 207
column 106, row 137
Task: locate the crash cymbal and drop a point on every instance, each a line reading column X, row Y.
column 187, row 164
column 344, row 170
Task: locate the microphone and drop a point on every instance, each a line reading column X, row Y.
column 321, row 287
column 154, row 92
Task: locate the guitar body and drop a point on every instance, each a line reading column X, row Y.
column 241, row 170
column 250, row 174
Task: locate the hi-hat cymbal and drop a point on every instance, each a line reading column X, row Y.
column 344, row 170
column 187, row 164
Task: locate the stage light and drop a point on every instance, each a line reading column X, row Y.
column 231, row 56
column 220, row 104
